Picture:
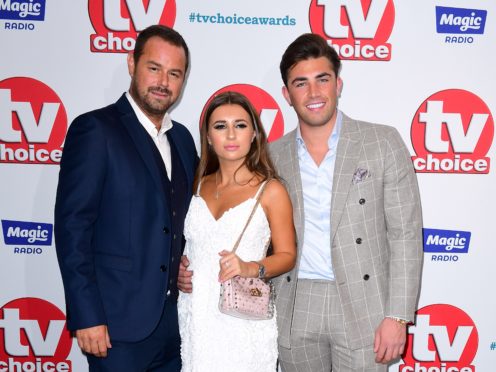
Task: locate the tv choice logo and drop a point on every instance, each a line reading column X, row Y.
column 27, row 233
column 264, row 103
column 33, row 122
column 443, row 339
column 33, row 337
column 452, row 132
column 358, row 30
column 117, row 22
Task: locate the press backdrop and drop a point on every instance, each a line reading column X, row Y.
column 425, row 67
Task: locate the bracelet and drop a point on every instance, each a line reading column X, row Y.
column 399, row 320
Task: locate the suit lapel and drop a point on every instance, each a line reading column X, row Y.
column 289, row 169
column 347, row 156
column 138, row 136
column 180, row 149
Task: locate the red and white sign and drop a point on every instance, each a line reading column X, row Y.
column 117, row 22
column 452, row 132
column 33, row 122
column 443, row 339
column 33, row 337
column 358, row 30
column 264, row 103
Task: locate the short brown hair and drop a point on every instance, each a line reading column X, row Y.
column 166, row 34
column 305, row 47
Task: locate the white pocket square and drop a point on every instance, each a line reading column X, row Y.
column 360, row 175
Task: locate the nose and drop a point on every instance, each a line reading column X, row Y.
column 231, row 133
column 312, row 89
column 164, row 79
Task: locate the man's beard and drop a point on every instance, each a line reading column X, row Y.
column 149, row 105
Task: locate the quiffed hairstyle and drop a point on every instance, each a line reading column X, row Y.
column 305, row 47
column 165, row 33
column 257, row 160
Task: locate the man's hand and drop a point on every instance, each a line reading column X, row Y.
column 389, row 342
column 94, row 340
column 184, row 278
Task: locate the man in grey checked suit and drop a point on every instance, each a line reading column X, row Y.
column 357, row 216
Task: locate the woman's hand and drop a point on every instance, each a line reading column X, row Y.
column 231, row 265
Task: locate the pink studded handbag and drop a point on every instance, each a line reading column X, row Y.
column 247, row 298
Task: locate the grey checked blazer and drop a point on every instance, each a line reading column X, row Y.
column 376, row 229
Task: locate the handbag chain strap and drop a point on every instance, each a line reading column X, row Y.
column 251, row 216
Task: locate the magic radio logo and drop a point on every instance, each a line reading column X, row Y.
column 33, row 337
column 264, row 104
column 446, row 245
column 27, row 237
column 357, row 29
column 460, row 23
column 443, row 339
column 33, row 122
column 452, row 132
column 117, row 22
column 19, row 14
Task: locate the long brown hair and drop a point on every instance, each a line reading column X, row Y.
column 257, row 160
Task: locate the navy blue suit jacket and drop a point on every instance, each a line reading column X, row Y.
column 112, row 222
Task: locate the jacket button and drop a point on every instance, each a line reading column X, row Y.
column 288, row 278
column 359, row 241
column 163, row 268
column 366, row 277
column 165, row 230
column 362, row 201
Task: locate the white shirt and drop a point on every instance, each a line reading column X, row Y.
column 158, row 136
column 316, row 262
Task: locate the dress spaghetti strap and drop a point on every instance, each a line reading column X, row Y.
column 261, row 188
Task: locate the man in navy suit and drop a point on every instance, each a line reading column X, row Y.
column 124, row 189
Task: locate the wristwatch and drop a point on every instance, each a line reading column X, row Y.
column 399, row 320
column 261, row 270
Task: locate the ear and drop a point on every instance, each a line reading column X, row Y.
column 130, row 64
column 285, row 93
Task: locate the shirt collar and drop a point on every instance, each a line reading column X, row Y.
column 146, row 122
column 332, row 141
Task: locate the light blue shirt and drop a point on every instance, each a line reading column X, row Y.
column 315, row 262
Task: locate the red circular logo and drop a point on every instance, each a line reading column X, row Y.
column 117, row 22
column 358, row 30
column 266, row 106
column 33, row 122
column 452, row 132
column 33, row 334
column 443, row 336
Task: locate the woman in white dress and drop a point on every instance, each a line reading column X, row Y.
column 234, row 166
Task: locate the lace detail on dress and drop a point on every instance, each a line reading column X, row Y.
column 212, row 341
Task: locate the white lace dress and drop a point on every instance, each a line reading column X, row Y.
column 212, row 341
